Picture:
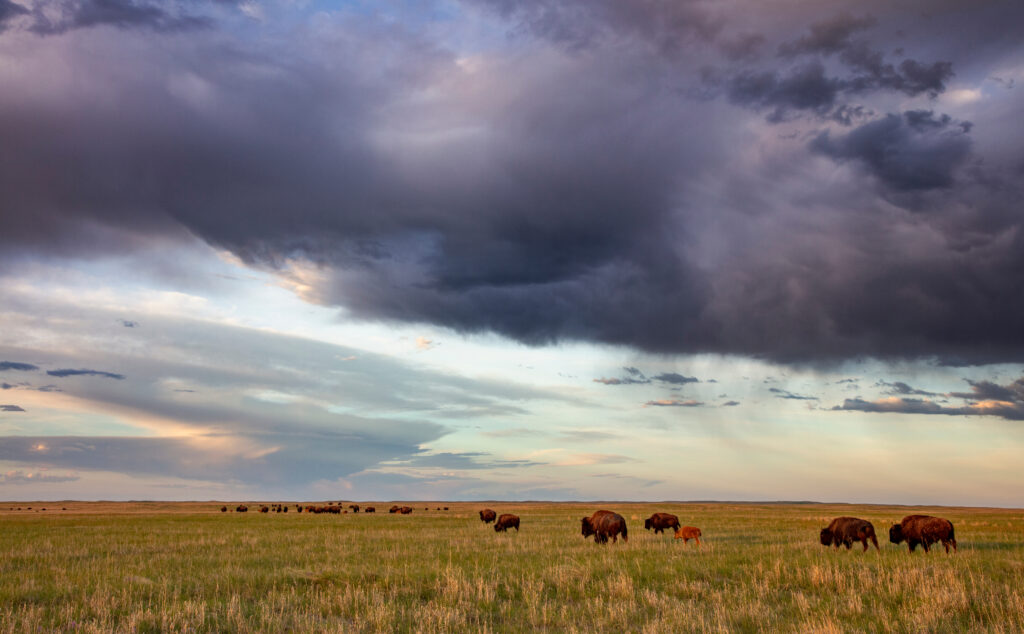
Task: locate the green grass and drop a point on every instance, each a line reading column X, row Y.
column 188, row 567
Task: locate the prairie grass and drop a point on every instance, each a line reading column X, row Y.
column 175, row 567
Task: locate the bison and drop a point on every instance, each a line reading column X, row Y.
column 223, row 509
column 604, row 524
column 487, row 516
column 394, row 509
column 660, row 521
column 686, row 533
column 505, row 522
column 241, row 508
column 370, row 509
column 924, row 530
column 264, row 509
column 846, row 530
column 405, row 510
column 354, row 507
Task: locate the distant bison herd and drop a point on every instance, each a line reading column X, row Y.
column 923, row 530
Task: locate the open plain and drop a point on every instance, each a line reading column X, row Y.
column 162, row 566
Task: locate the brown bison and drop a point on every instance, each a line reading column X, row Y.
column 241, row 508
column 264, row 509
column 505, row 522
column 394, row 509
column 405, row 510
column 604, row 524
column 354, row 508
column 686, row 533
column 223, row 509
column 924, row 530
column 660, row 521
column 846, row 530
column 369, row 509
column 487, row 516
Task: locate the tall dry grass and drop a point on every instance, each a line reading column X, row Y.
column 188, row 567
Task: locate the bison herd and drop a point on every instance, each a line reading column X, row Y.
column 923, row 530
column 913, row 529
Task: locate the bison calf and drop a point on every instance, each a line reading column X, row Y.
column 660, row 521
column 846, row 530
column 604, row 524
column 925, row 530
column 686, row 533
column 505, row 522
column 487, row 516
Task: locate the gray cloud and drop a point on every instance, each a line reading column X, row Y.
column 11, row 408
column 899, row 387
column 985, row 399
column 675, row 378
column 85, row 372
column 14, row 365
column 786, row 394
column 915, row 151
column 53, row 17
column 672, row 402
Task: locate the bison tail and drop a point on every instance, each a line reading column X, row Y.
column 625, row 534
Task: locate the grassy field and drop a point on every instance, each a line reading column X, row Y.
column 147, row 567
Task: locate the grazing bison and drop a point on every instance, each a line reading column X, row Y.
column 487, row 516
column 604, row 524
column 394, row 509
column 660, row 521
column 446, row 508
column 223, row 509
column 505, row 522
column 925, row 530
column 405, row 510
column 370, row 509
column 241, row 508
column 846, row 530
column 354, row 507
column 686, row 533
column 264, row 509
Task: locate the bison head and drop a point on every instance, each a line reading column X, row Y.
column 896, row 533
column 647, row 524
column 826, row 537
column 588, row 528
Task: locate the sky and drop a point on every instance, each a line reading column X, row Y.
column 531, row 250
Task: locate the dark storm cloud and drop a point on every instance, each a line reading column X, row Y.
column 8, row 11
column 11, row 408
column 85, row 372
column 915, row 151
column 578, row 180
column 665, row 25
column 60, row 16
column 129, row 324
column 829, row 36
column 730, row 404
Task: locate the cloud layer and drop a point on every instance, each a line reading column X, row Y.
column 788, row 182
